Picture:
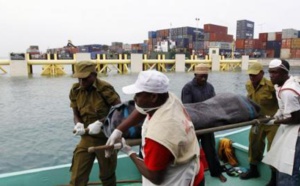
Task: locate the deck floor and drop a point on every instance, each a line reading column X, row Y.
column 231, row 181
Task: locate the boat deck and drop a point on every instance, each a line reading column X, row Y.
column 212, row 181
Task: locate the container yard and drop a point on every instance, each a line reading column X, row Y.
column 195, row 41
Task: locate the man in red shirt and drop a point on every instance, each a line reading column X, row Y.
column 169, row 144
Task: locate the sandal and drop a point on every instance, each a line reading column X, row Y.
column 232, row 172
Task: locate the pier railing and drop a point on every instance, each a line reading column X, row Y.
column 52, row 65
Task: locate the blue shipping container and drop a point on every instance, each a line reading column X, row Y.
column 273, row 45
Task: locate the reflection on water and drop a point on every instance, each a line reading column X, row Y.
column 36, row 120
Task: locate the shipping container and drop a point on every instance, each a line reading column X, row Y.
column 295, row 53
column 221, row 45
column 295, row 43
column 191, row 30
column 270, row 53
column 273, row 45
column 198, row 44
column 83, row 49
column 263, row 37
column 152, row 34
column 289, row 33
column 271, row 36
column 278, row 36
column 263, row 45
column 285, row 53
column 244, row 34
column 240, row 44
column 211, row 28
column 253, row 44
column 286, row 43
column 245, row 24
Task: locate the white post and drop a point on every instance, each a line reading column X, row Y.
column 179, row 63
column 245, row 62
column 83, row 57
column 215, row 62
column 136, row 63
column 18, row 65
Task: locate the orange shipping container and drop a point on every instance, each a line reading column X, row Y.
column 286, row 43
column 240, row 44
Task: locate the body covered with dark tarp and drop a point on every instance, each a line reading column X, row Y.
column 223, row 109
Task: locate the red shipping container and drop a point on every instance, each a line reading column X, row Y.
column 240, row 44
column 295, row 53
column 263, row 37
column 278, row 36
column 286, row 43
column 229, row 38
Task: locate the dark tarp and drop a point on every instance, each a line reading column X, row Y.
column 224, row 108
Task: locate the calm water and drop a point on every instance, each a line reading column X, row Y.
column 36, row 120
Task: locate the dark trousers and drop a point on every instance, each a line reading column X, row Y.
column 208, row 145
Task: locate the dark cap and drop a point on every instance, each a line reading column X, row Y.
column 84, row 68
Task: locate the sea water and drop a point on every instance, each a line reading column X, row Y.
column 36, row 120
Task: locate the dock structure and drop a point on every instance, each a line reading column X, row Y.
column 52, row 66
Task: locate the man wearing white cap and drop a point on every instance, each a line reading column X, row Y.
column 199, row 90
column 284, row 154
column 262, row 92
column 169, row 143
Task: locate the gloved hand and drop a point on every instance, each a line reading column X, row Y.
column 126, row 148
column 79, row 129
column 95, row 128
column 271, row 122
column 115, row 136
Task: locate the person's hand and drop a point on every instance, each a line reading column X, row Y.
column 126, row 148
column 95, row 128
column 79, row 129
column 115, row 136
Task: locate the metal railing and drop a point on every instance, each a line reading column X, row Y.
column 55, row 66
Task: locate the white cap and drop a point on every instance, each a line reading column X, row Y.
column 275, row 63
column 150, row 81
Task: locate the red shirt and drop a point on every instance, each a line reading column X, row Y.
column 159, row 161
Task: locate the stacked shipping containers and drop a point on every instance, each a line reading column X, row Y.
column 290, row 47
column 184, row 37
column 245, row 44
column 273, row 44
column 244, row 29
column 217, row 36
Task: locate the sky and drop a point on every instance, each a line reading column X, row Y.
column 50, row 24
